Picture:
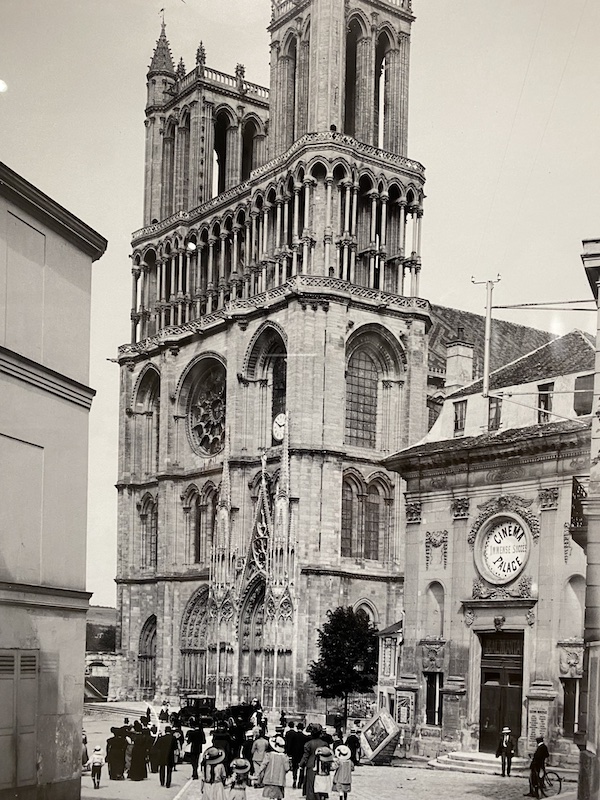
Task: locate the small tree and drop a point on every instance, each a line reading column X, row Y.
column 348, row 655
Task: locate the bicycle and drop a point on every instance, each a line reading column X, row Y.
column 550, row 783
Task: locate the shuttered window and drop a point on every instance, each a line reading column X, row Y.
column 19, row 671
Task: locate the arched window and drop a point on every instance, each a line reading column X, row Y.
column 206, row 524
column 366, row 517
column 183, row 146
column 361, row 400
column 168, row 168
column 147, row 423
column 374, row 519
column 147, row 658
column 248, row 148
column 351, row 96
column 148, row 509
column 350, row 518
column 267, row 362
column 375, row 363
column 434, row 610
column 203, row 400
column 193, row 643
column 220, row 157
column 381, row 90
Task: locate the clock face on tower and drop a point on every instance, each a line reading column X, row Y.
column 279, row 427
column 503, row 549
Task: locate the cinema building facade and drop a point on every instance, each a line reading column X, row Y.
column 495, row 580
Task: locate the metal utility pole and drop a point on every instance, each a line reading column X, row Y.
column 489, row 285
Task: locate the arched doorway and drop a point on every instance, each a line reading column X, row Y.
column 147, row 659
column 193, row 644
column 253, row 662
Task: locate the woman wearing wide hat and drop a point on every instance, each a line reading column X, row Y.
column 213, row 774
column 323, row 772
column 271, row 775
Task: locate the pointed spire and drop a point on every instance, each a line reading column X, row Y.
column 201, row 55
column 162, row 60
column 181, row 69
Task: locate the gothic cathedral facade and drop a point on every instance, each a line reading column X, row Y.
column 278, row 353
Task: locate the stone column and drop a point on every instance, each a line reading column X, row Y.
column 328, row 231
column 305, row 231
column 383, row 242
column 223, row 238
column 211, row 283
column 135, row 274
column 209, row 144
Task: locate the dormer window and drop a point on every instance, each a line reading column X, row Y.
column 460, row 417
column 545, row 393
column 494, row 413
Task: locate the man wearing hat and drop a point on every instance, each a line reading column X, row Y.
column 166, row 747
column 308, row 759
column 505, row 750
column 275, row 764
column 538, row 764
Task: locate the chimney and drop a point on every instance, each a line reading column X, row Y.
column 459, row 362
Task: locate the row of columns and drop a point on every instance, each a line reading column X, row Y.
column 274, row 243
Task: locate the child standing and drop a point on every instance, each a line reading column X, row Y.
column 275, row 764
column 240, row 768
column 96, row 762
column 323, row 764
column 213, row 774
column 342, row 777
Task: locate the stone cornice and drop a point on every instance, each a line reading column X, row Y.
column 308, row 290
column 25, row 594
column 200, row 575
column 354, row 574
column 485, row 455
column 39, row 205
column 27, row 371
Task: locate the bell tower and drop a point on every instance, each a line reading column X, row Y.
column 341, row 67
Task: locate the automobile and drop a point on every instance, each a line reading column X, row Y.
column 199, row 706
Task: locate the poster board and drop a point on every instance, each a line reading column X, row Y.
column 378, row 732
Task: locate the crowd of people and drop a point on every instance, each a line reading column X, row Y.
column 241, row 754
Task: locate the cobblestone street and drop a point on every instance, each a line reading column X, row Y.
column 369, row 783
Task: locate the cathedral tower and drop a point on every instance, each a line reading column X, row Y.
column 278, row 352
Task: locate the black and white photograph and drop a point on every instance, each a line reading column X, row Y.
column 299, row 399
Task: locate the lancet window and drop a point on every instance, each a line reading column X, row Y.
column 366, row 518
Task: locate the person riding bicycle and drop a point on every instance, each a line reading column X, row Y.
column 537, row 766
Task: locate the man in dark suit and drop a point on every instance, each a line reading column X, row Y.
column 308, row 759
column 505, row 750
column 167, row 745
column 294, row 748
column 538, row 765
column 196, row 739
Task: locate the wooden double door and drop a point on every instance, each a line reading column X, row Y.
column 501, row 687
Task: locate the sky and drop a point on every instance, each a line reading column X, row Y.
column 503, row 113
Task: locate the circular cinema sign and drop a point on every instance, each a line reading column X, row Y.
column 503, row 548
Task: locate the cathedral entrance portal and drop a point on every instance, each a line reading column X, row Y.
column 501, row 687
column 252, row 654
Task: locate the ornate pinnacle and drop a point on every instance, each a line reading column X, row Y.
column 180, row 69
column 201, row 55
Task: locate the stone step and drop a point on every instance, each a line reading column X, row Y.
column 470, row 762
column 488, row 764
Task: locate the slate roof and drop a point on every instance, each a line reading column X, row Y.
column 162, row 60
column 509, row 340
column 573, row 352
column 394, row 628
column 534, row 438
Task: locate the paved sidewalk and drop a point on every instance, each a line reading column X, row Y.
column 393, row 783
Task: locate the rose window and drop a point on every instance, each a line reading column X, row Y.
column 207, row 412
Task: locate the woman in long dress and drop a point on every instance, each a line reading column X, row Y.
column 214, row 774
